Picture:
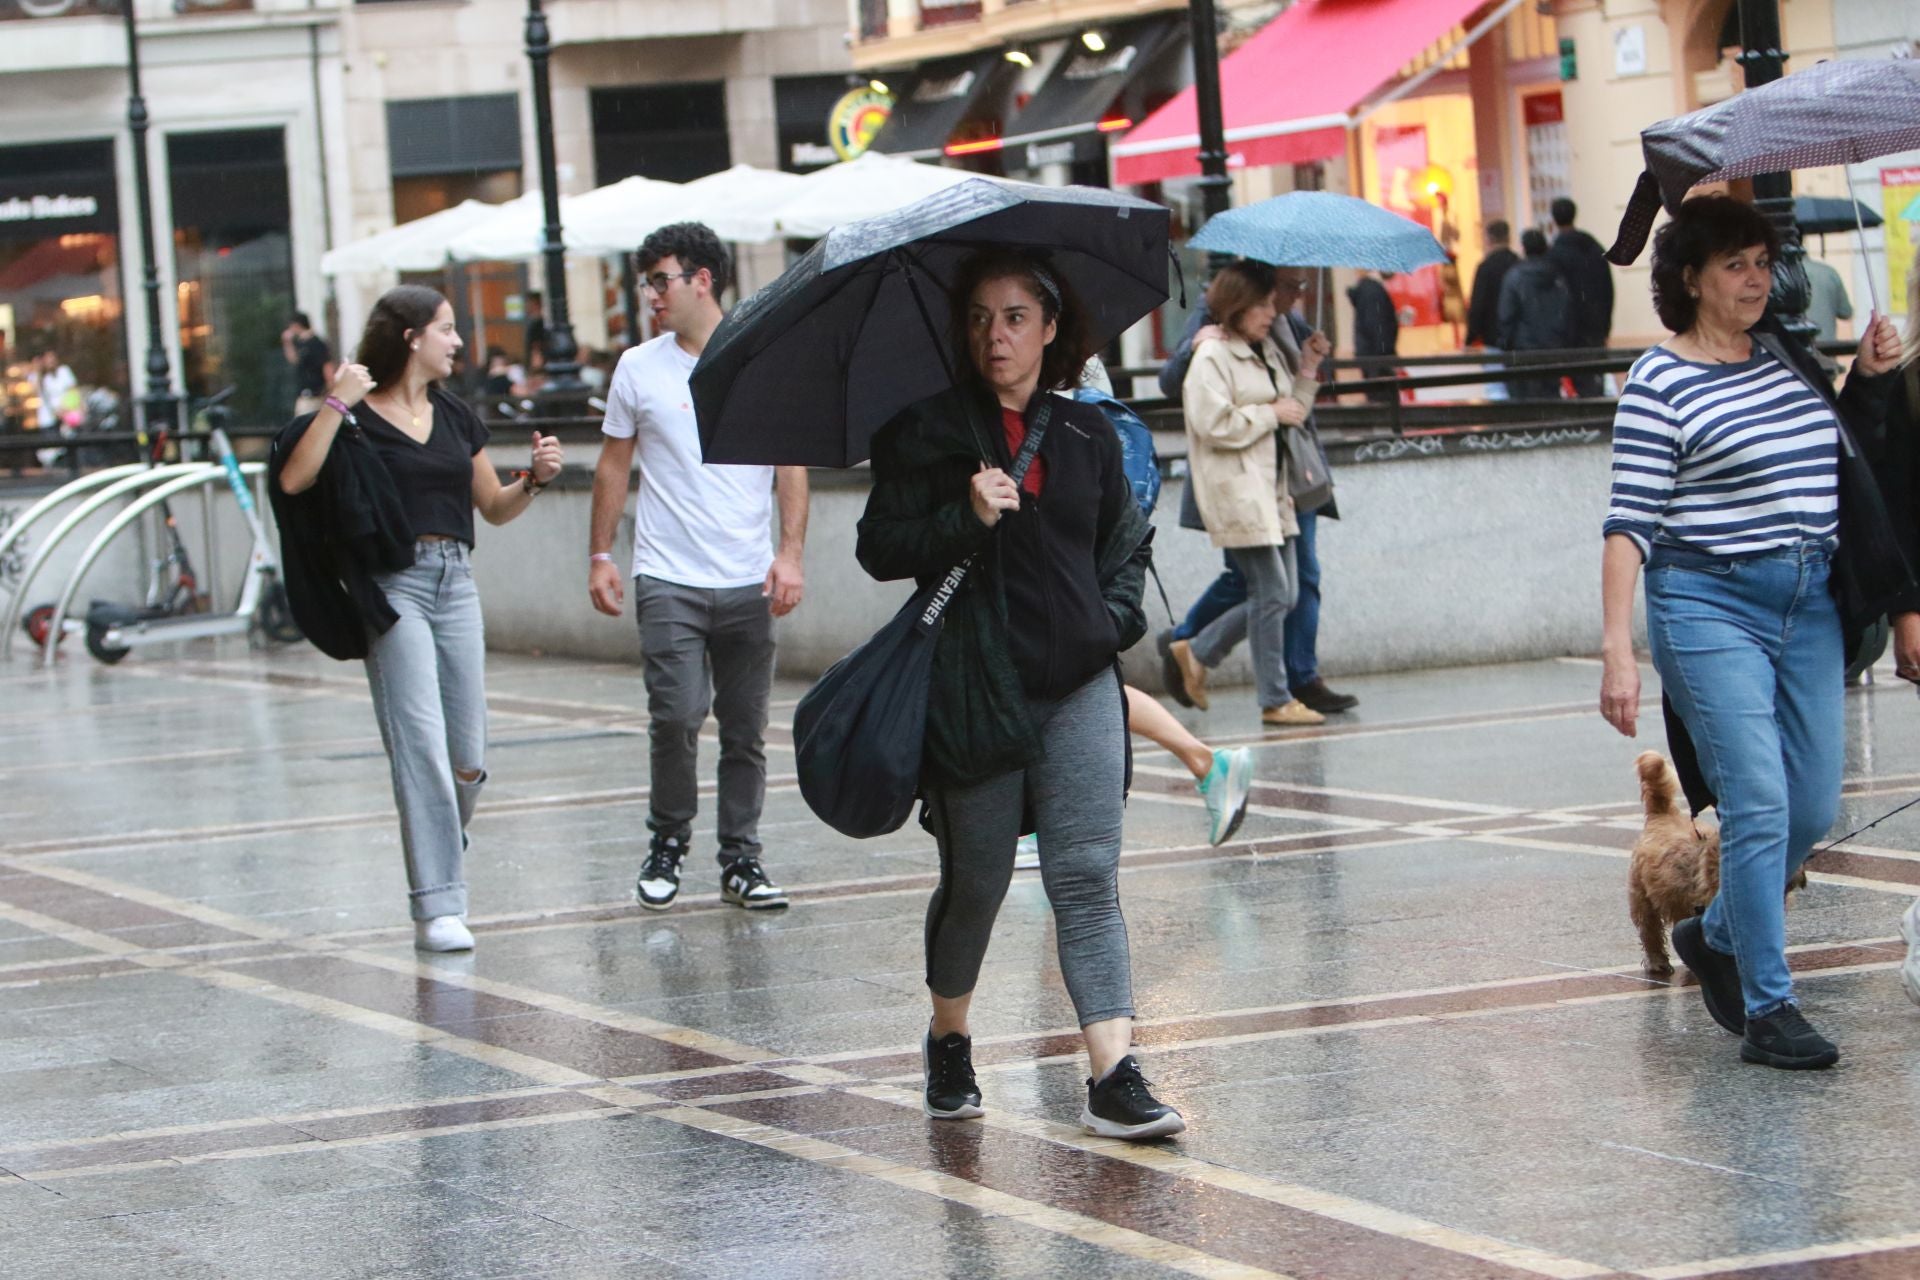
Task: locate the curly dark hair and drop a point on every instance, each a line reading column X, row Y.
column 1240, row 285
column 1067, row 354
column 695, row 245
column 1705, row 228
column 385, row 345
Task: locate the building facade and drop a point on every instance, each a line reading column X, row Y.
column 245, row 150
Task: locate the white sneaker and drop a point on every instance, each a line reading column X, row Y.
column 1910, row 968
column 1026, row 854
column 442, row 933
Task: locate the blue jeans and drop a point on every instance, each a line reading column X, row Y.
column 1749, row 650
column 428, row 677
column 1303, row 620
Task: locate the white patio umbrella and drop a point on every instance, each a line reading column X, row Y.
column 862, row 188
column 614, row 218
column 739, row 203
column 420, row 245
column 512, row 233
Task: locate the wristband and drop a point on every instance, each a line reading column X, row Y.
column 533, row 485
column 600, row 557
column 339, row 406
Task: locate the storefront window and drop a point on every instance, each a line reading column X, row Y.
column 233, row 259
column 60, row 287
column 673, row 132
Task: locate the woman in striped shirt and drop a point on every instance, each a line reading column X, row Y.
column 1726, row 484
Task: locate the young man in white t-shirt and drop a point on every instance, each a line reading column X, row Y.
column 707, row 581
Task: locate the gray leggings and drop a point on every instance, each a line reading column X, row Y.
column 1076, row 790
column 428, row 676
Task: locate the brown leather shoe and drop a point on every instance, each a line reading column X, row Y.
column 1291, row 715
column 1193, row 673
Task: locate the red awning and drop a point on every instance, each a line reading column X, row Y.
column 1287, row 94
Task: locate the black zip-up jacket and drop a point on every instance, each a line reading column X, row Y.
column 1051, row 601
column 335, row 536
column 1893, row 447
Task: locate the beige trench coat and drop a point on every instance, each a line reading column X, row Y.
column 1235, row 463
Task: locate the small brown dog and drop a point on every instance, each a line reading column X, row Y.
column 1676, row 864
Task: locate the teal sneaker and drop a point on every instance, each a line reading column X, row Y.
column 1225, row 790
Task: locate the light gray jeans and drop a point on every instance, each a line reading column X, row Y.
column 1272, row 581
column 428, row 675
column 706, row 649
column 1075, row 792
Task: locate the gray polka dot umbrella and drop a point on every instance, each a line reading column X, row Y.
column 1831, row 113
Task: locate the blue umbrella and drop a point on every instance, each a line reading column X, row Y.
column 1321, row 229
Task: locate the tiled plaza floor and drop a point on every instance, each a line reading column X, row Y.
column 1403, row 1011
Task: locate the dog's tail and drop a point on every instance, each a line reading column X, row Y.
column 1659, row 784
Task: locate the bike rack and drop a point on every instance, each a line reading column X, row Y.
column 126, row 484
column 205, row 473
column 71, row 489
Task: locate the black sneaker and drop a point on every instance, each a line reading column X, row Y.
column 1783, row 1039
column 952, row 1093
column 1719, row 976
column 659, row 882
column 1170, row 675
column 744, row 884
column 1119, row 1106
column 1324, row 700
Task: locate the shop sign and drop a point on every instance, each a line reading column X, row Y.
column 1040, row 154
column 944, row 88
column 854, row 121
column 43, row 208
column 1094, row 66
column 1900, row 206
column 1630, row 51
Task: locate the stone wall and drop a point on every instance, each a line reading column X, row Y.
column 1477, row 550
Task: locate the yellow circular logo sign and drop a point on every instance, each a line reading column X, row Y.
column 855, row 119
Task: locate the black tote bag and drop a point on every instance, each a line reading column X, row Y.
column 858, row 733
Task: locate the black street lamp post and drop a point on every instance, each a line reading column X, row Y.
column 1216, row 188
column 1763, row 61
column 563, row 353
column 160, row 404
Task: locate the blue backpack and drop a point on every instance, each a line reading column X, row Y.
column 1137, row 457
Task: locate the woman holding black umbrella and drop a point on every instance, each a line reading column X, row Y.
column 1026, row 714
column 1733, row 483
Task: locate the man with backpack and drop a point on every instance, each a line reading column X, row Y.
column 1302, row 630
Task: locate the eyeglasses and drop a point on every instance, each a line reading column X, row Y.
column 659, row 280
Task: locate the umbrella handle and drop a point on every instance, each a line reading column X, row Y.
column 1860, row 226
column 940, row 346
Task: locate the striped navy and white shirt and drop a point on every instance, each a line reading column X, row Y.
column 1728, row 459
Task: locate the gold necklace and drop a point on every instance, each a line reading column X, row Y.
column 394, row 398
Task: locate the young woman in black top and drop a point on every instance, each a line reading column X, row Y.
column 427, row 670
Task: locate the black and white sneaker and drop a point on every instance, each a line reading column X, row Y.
column 952, row 1093
column 744, row 883
column 659, row 882
column 1120, row 1106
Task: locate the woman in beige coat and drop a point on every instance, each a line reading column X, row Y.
column 1239, row 396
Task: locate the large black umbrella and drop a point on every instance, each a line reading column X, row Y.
column 1831, row 113
column 806, row 370
column 1819, row 215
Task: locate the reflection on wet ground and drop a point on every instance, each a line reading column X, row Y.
column 1402, row 1010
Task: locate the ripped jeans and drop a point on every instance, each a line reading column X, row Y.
column 428, row 675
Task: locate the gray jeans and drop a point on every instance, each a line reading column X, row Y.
column 428, row 675
column 706, row 649
column 1272, row 580
column 1076, row 791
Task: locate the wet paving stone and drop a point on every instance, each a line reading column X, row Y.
column 1403, row 1011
